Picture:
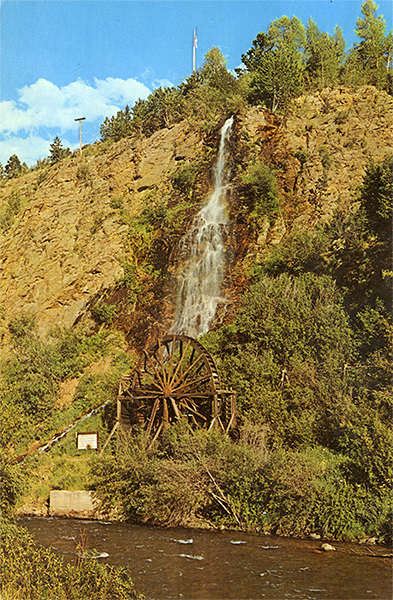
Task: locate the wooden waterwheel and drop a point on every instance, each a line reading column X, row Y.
column 175, row 378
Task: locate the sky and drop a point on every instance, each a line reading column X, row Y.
column 65, row 59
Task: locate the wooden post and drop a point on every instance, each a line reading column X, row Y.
column 80, row 133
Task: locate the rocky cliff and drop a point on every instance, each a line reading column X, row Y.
column 67, row 242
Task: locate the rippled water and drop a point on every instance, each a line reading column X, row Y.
column 204, row 565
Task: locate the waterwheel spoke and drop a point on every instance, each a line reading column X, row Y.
column 186, row 372
column 192, row 383
column 187, row 406
column 146, row 397
column 193, row 395
column 153, row 415
column 180, row 363
column 196, row 372
column 161, row 362
column 157, row 433
column 171, row 354
column 176, row 409
column 148, row 376
column 156, row 373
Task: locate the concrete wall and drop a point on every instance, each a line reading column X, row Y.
column 75, row 504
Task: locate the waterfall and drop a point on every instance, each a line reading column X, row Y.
column 202, row 255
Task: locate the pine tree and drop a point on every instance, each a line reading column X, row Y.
column 368, row 61
column 57, row 152
column 276, row 64
column 13, row 167
column 119, row 126
column 325, row 55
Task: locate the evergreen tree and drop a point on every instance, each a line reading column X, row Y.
column 119, row 126
column 325, row 55
column 368, row 61
column 215, row 73
column 13, row 167
column 276, row 63
column 57, row 152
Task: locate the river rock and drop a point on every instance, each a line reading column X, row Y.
column 327, row 547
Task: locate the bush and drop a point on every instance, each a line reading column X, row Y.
column 10, row 210
column 183, row 179
column 309, row 491
column 31, row 572
column 194, row 478
column 83, row 171
column 284, row 355
column 300, row 253
column 259, row 190
column 104, row 313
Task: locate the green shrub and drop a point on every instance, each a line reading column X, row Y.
column 193, row 478
column 302, row 155
column 259, row 189
column 116, row 202
column 285, row 353
column 97, row 224
column 184, row 178
column 326, row 159
column 308, row 491
column 104, row 313
column 299, row 253
column 10, row 210
column 32, row 572
column 83, row 171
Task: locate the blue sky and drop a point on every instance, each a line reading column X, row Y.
column 64, row 59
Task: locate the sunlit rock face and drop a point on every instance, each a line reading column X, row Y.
column 65, row 247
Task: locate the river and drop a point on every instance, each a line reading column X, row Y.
column 207, row 565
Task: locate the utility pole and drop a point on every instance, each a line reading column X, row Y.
column 80, row 133
column 194, row 46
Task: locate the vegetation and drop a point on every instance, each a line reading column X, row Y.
column 309, row 350
column 14, row 167
column 308, row 354
column 31, row 572
column 57, row 152
column 259, row 189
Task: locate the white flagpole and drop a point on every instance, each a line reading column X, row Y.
column 194, row 46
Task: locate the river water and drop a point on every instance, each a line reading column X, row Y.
column 206, row 565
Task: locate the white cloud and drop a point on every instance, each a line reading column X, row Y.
column 43, row 104
column 164, row 83
column 28, row 149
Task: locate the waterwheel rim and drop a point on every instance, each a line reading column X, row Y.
column 175, row 379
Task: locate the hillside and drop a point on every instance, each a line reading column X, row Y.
column 78, row 222
column 88, row 275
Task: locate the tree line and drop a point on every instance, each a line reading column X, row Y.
column 284, row 62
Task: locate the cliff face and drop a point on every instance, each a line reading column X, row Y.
column 66, row 244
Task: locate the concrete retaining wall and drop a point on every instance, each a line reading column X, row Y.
column 75, row 504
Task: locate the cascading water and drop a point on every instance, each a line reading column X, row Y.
column 202, row 255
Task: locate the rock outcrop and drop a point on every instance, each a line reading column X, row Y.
column 65, row 246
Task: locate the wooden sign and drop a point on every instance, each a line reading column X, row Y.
column 87, row 440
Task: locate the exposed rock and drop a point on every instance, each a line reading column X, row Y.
column 327, row 547
column 64, row 249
